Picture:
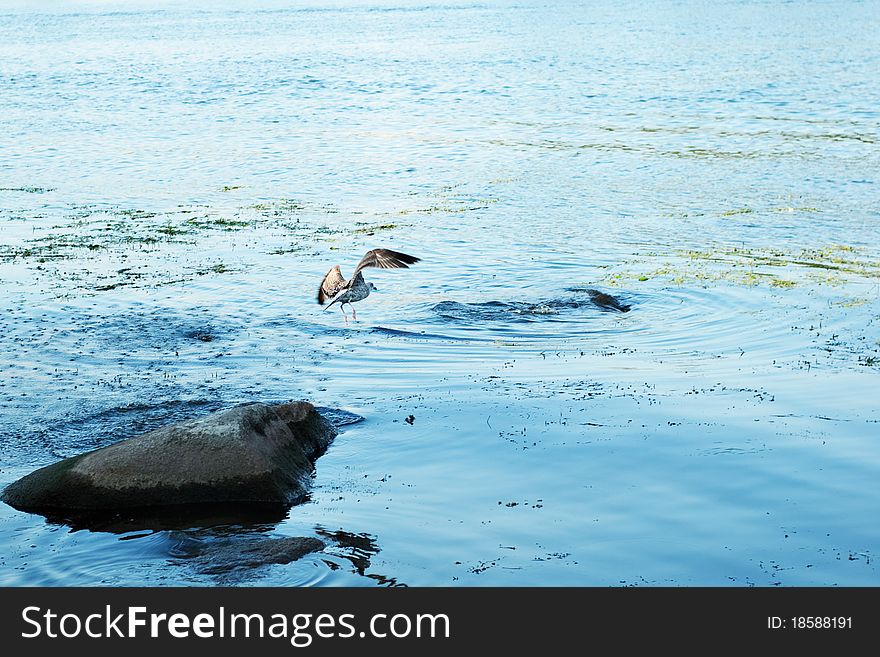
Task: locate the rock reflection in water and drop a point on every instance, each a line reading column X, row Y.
column 359, row 550
column 226, row 517
column 239, row 554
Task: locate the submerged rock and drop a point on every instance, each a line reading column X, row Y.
column 607, row 301
column 251, row 453
column 234, row 555
column 528, row 312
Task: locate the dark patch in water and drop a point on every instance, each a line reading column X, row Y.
column 490, row 311
column 519, row 311
column 606, row 301
column 202, row 334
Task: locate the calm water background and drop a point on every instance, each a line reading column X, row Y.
column 175, row 181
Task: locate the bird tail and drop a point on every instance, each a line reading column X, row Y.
column 335, row 299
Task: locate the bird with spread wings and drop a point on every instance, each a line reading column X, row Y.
column 337, row 289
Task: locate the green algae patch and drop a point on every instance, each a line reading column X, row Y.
column 285, row 250
column 852, row 302
column 208, row 222
column 447, row 199
column 781, row 282
column 446, row 208
column 135, row 214
column 791, row 209
column 170, row 230
column 834, row 264
column 28, row 190
column 98, row 248
column 280, row 207
column 369, row 230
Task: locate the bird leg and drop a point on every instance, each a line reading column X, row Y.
column 342, row 308
column 354, row 315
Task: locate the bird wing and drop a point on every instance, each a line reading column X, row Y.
column 385, row 259
column 333, row 280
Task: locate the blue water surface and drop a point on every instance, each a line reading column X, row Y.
column 176, row 178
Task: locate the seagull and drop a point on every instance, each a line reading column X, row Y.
column 335, row 288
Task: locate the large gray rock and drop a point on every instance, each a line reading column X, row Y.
column 252, row 453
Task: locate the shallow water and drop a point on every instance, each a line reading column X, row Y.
column 174, row 182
